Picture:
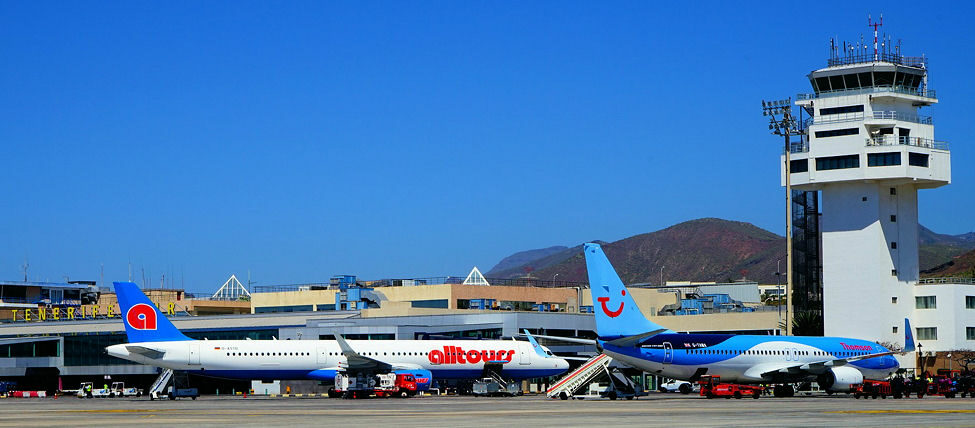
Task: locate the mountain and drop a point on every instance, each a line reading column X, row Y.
column 937, row 249
column 708, row 249
column 517, row 261
column 962, row 265
column 537, row 264
column 711, row 249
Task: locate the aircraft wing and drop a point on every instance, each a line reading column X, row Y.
column 359, row 362
column 820, row 367
column 568, row 339
column 767, row 371
column 145, row 351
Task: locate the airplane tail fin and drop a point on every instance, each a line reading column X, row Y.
column 908, row 337
column 535, row 345
column 143, row 321
column 617, row 314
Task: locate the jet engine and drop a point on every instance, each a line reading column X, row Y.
column 840, row 378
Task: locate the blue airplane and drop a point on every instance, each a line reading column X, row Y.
column 625, row 334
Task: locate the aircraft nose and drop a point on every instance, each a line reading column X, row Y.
column 562, row 364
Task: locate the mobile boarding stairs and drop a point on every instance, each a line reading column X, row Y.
column 593, row 370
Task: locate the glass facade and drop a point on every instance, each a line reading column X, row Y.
column 42, row 348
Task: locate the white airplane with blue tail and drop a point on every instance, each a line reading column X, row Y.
column 625, row 334
column 155, row 341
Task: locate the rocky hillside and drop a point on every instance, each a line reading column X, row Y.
column 707, row 249
column 711, row 249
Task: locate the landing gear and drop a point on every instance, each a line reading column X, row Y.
column 783, row 391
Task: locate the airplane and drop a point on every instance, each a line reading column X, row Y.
column 625, row 334
column 155, row 341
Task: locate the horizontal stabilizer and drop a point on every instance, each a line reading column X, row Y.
column 147, row 352
column 634, row 340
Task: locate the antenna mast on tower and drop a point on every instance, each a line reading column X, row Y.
column 870, row 23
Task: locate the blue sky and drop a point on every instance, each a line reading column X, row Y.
column 301, row 140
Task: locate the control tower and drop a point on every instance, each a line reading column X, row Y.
column 868, row 149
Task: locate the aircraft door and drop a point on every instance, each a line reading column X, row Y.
column 322, row 356
column 668, row 353
column 194, row 355
column 526, row 354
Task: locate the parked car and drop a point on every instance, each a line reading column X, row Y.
column 681, row 386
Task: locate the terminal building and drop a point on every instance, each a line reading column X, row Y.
column 868, row 150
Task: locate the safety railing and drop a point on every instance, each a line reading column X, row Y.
column 946, row 280
column 919, row 92
column 833, row 118
column 907, row 117
column 895, row 140
column 909, row 61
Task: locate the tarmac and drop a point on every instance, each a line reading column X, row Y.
column 442, row 411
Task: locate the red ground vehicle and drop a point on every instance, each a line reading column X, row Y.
column 404, row 386
column 380, row 385
column 711, row 387
column 944, row 383
column 871, row 388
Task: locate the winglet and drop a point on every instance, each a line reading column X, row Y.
column 346, row 348
column 538, row 349
column 908, row 337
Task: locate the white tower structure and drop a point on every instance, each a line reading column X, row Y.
column 868, row 150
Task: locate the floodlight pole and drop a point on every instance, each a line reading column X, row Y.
column 785, row 127
column 788, row 226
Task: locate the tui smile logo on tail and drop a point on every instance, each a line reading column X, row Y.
column 609, row 313
column 141, row 317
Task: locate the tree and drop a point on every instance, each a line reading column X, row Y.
column 807, row 323
column 893, row 346
column 964, row 357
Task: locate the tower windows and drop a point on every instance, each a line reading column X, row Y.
column 918, row 159
column 884, row 159
column 893, row 218
column 893, row 190
column 799, row 165
column 837, row 162
column 893, row 245
column 837, row 132
column 893, row 300
column 969, row 302
column 839, row 110
column 894, row 330
column 969, row 333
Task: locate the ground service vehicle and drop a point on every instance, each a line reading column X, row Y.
column 872, row 388
column 495, row 387
column 118, row 389
column 381, row 385
column 88, row 390
column 175, row 393
column 711, row 387
column 404, row 386
column 681, row 386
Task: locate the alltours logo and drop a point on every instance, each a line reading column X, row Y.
column 141, row 317
column 457, row 355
